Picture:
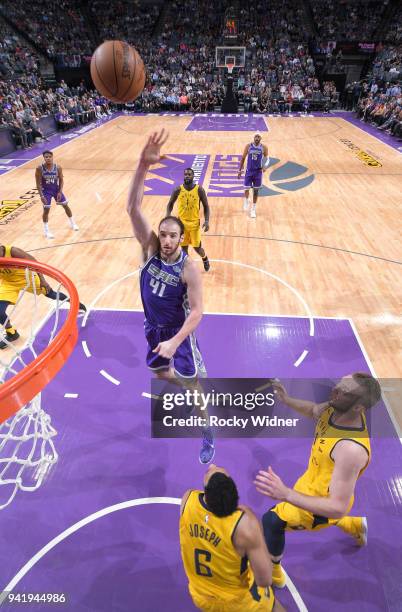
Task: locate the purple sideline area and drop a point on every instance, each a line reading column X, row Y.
column 129, row 560
column 224, row 123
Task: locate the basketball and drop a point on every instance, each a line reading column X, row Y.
column 117, row 71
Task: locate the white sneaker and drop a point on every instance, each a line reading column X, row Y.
column 75, row 227
column 253, row 213
column 48, row 235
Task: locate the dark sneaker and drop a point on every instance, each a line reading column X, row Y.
column 10, row 338
column 207, row 265
column 82, row 308
column 207, row 451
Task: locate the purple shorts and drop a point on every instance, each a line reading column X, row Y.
column 187, row 360
column 48, row 195
column 253, row 178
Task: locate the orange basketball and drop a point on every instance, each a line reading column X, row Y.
column 117, row 71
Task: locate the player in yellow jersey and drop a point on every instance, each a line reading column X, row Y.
column 14, row 280
column 324, row 494
column 189, row 196
column 223, row 550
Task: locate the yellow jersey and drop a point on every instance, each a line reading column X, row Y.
column 212, row 564
column 189, row 207
column 11, row 274
column 316, row 479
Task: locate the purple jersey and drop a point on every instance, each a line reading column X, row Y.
column 254, row 157
column 50, row 180
column 163, row 293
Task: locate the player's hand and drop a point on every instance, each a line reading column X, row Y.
column 58, row 197
column 280, row 391
column 239, row 174
column 268, row 483
column 43, row 200
column 205, row 226
column 45, row 285
column 166, row 349
column 151, row 153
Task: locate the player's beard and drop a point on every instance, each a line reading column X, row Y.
column 172, row 250
column 342, row 406
column 188, row 181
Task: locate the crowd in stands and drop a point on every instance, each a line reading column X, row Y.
column 348, row 20
column 25, row 101
column 124, row 19
column 380, row 101
column 58, row 28
column 395, row 28
column 279, row 74
column 16, row 58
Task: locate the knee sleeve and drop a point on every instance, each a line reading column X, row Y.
column 52, row 295
column 274, row 533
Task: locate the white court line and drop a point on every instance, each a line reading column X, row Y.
column 131, row 503
column 85, row 348
column 150, row 395
column 71, row 395
column 109, row 377
column 371, row 368
column 280, row 280
column 75, row 527
column 235, row 314
column 295, row 593
column 105, row 290
column 233, row 262
column 98, row 197
column 302, row 356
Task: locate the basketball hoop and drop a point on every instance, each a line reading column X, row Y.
column 230, row 68
column 26, row 446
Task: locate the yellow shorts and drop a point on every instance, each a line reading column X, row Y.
column 10, row 289
column 296, row 518
column 192, row 236
column 248, row 603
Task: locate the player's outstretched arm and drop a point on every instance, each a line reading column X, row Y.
column 61, row 182
column 350, row 458
column 243, row 159
column 38, row 180
column 149, row 155
column 248, row 540
column 304, row 407
column 204, row 200
column 173, row 198
column 266, row 156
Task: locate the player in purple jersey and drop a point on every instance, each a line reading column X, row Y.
column 257, row 163
column 171, row 291
column 49, row 183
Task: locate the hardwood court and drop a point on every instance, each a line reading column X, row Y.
column 335, row 243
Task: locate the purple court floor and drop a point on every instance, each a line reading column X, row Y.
column 213, row 122
column 125, row 557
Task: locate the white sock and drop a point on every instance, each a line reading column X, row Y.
column 245, row 202
column 72, row 222
column 46, row 226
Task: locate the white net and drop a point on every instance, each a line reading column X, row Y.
column 27, row 450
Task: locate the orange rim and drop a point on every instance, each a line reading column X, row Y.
column 21, row 388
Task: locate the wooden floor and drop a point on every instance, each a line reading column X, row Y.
column 337, row 242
